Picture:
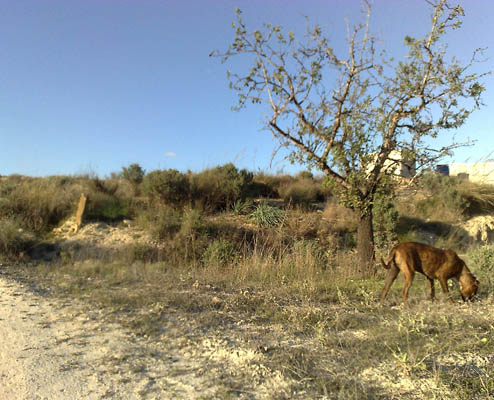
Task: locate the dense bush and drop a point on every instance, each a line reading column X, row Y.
column 12, row 241
column 106, row 201
column 169, row 186
column 302, row 192
column 444, row 199
column 104, row 207
column 479, row 198
column 385, row 220
column 269, row 185
column 162, row 222
column 134, row 174
column 341, row 219
column 482, row 258
column 218, row 188
column 38, row 204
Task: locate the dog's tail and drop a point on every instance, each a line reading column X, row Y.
column 390, row 259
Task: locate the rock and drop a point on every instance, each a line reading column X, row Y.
column 68, row 227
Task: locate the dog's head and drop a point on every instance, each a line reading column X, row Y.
column 469, row 287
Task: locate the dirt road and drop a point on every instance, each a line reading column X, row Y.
column 51, row 349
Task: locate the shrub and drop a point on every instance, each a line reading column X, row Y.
column 258, row 189
column 304, row 175
column 269, row 185
column 105, row 186
column 133, row 173
column 162, row 222
column 385, row 220
column 218, row 188
column 266, row 215
column 242, row 207
column 220, row 253
column 192, row 224
column 444, row 199
column 11, row 238
column 169, row 186
column 38, row 204
column 482, row 257
column 302, row 192
column 479, row 198
column 104, row 207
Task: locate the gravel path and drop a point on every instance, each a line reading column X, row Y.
column 51, row 350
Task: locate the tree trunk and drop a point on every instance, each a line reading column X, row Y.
column 365, row 244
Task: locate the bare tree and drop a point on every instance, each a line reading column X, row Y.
column 344, row 115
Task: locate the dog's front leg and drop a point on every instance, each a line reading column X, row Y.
column 431, row 284
column 444, row 286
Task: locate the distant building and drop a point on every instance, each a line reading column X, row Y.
column 442, row 169
column 475, row 172
column 397, row 165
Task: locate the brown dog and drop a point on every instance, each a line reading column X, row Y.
column 411, row 257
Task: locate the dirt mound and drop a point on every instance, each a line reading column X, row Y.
column 104, row 235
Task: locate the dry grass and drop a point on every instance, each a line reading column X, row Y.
column 290, row 296
column 321, row 329
column 480, row 198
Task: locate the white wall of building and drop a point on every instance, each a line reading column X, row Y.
column 477, row 172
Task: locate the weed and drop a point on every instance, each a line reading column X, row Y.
column 266, row 215
column 242, row 207
column 220, row 253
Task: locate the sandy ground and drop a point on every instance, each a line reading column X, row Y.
column 51, row 349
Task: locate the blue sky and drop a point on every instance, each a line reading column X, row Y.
column 93, row 85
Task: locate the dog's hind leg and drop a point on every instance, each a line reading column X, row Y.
column 409, row 274
column 393, row 272
column 431, row 284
